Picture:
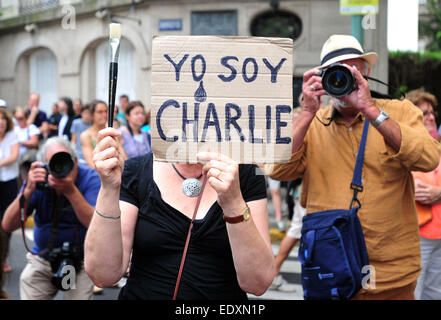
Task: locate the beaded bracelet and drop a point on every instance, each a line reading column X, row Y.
column 107, row 217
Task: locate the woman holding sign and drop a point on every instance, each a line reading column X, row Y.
column 140, row 206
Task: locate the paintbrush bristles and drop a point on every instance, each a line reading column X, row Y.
column 115, row 30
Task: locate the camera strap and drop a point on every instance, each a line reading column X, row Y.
column 376, row 94
column 23, row 203
column 57, row 205
column 23, row 217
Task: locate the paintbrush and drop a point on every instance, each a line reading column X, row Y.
column 114, row 41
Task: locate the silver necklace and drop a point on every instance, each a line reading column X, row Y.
column 191, row 186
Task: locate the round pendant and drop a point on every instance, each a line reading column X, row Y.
column 191, row 187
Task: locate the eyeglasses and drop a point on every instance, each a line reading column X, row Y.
column 427, row 112
column 19, row 118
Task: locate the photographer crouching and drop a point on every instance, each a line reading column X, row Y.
column 63, row 194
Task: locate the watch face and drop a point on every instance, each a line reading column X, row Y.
column 381, row 117
column 247, row 214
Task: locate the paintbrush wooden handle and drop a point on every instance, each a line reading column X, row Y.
column 113, row 75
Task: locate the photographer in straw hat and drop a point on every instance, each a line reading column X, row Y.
column 325, row 144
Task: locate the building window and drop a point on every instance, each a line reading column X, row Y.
column 277, row 23
column 126, row 71
column 43, row 78
column 220, row 23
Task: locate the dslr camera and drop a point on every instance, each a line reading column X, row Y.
column 66, row 255
column 337, row 80
column 60, row 165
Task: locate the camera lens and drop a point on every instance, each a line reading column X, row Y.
column 338, row 81
column 61, row 164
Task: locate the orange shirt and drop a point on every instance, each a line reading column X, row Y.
column 431, row 229
column 388, row 216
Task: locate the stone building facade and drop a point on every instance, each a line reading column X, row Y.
column 60, row 47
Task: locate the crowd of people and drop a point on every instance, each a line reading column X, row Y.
column 26, row 133
column 121, row 205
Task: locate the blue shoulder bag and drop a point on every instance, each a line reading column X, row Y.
column 332, row 250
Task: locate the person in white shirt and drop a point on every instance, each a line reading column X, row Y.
column 8, row 173
column 27, row 136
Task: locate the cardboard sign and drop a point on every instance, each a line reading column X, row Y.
column 230, row 95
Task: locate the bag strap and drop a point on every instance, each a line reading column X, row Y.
column 187, row 241
column 357, row 184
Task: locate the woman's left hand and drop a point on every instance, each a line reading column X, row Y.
column 426, row 193
column 223, row 176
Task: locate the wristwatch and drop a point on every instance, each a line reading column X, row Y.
column 381, row 117
column 245, row 216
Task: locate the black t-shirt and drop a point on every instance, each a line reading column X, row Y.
column 40, row 118
column 160, row 235
column 54, row 119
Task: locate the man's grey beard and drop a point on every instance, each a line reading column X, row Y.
column 340, row 103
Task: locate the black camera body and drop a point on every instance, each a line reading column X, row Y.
column 66, row 255
column 337, row 80
column 45, row 184
column 60, row 165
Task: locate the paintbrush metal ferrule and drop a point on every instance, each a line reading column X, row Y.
column 114, row 49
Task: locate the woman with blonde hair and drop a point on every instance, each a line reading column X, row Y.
column 425, row 101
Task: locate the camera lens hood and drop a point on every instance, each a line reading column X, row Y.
column 61, row 164
column 338, row 81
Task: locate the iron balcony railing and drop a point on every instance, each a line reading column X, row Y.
column 33, row 6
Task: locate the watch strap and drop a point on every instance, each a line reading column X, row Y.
column 239, row 218
column 381, row 117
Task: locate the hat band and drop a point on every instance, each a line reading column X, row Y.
column 340, row 52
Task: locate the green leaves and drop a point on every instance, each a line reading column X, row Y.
column 430, row 25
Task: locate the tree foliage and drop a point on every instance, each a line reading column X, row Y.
column 414, row 70
column 430, row 27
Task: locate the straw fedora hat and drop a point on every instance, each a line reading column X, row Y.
column 343, row 47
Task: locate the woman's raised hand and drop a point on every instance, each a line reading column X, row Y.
column 108, row 158
column 223, row 176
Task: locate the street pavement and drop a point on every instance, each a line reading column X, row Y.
column 290, row 269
